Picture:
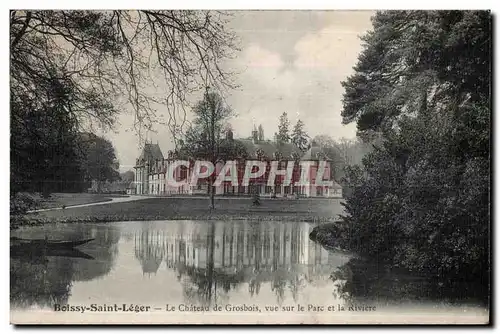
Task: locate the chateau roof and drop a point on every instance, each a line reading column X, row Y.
column 315, row 153
column 288, row 151
column 269, row 149
column 151, row 152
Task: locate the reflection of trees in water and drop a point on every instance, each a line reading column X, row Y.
column 278, row 285
column 295, row 284
column 104, row 250
column 359, row 280
column 42, row 281
column 209, row 285
column 200, row 287
column 150, row 247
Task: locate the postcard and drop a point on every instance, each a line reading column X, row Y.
column 250, row 167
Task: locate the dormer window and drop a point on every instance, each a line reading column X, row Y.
column 320, row 156
column 260, row 154
column 278, row 156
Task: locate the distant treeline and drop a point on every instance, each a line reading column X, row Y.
column 69, row 165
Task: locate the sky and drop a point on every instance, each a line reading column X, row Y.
column 289, row 61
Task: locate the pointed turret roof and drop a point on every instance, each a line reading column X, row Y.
column 151, row 152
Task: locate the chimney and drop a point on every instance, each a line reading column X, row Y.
column 229, row 135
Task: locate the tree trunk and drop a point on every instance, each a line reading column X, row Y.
column 211, row 248
column 212, row 199
column 212, row 193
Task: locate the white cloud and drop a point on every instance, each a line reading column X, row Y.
column 291, row 61
column 258, row 57
column 331, row 49
column 308, row 88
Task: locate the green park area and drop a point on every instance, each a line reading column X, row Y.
column 59, row 200
column 195, row 208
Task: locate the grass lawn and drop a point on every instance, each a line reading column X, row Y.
column 57, row 200
column 164, row 208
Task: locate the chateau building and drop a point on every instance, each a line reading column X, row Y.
column 151, row 171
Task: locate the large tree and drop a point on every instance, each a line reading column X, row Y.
column 421, row 198
column 98, row 159
column 43, row 139
column 72, row 70
column 416, row 58
column 207, row 137
column 299, row 136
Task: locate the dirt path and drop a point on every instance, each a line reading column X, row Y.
column 113, row 200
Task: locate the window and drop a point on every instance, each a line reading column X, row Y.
column 183, row 172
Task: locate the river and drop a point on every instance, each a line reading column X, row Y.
column 194, row 266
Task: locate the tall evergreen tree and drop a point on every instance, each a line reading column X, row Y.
column 261, row 132
column 283, row 135
column 299, row 136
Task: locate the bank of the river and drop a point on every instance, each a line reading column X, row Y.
column 165, row 208
column 57, row 200
column 329, row 235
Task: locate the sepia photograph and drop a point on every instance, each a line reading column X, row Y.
column 250, row 167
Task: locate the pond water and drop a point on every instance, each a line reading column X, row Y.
column 197, row 263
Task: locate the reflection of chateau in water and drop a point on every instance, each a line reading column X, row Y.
column 150, row 250
column 256, row 247
column 231, row 254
